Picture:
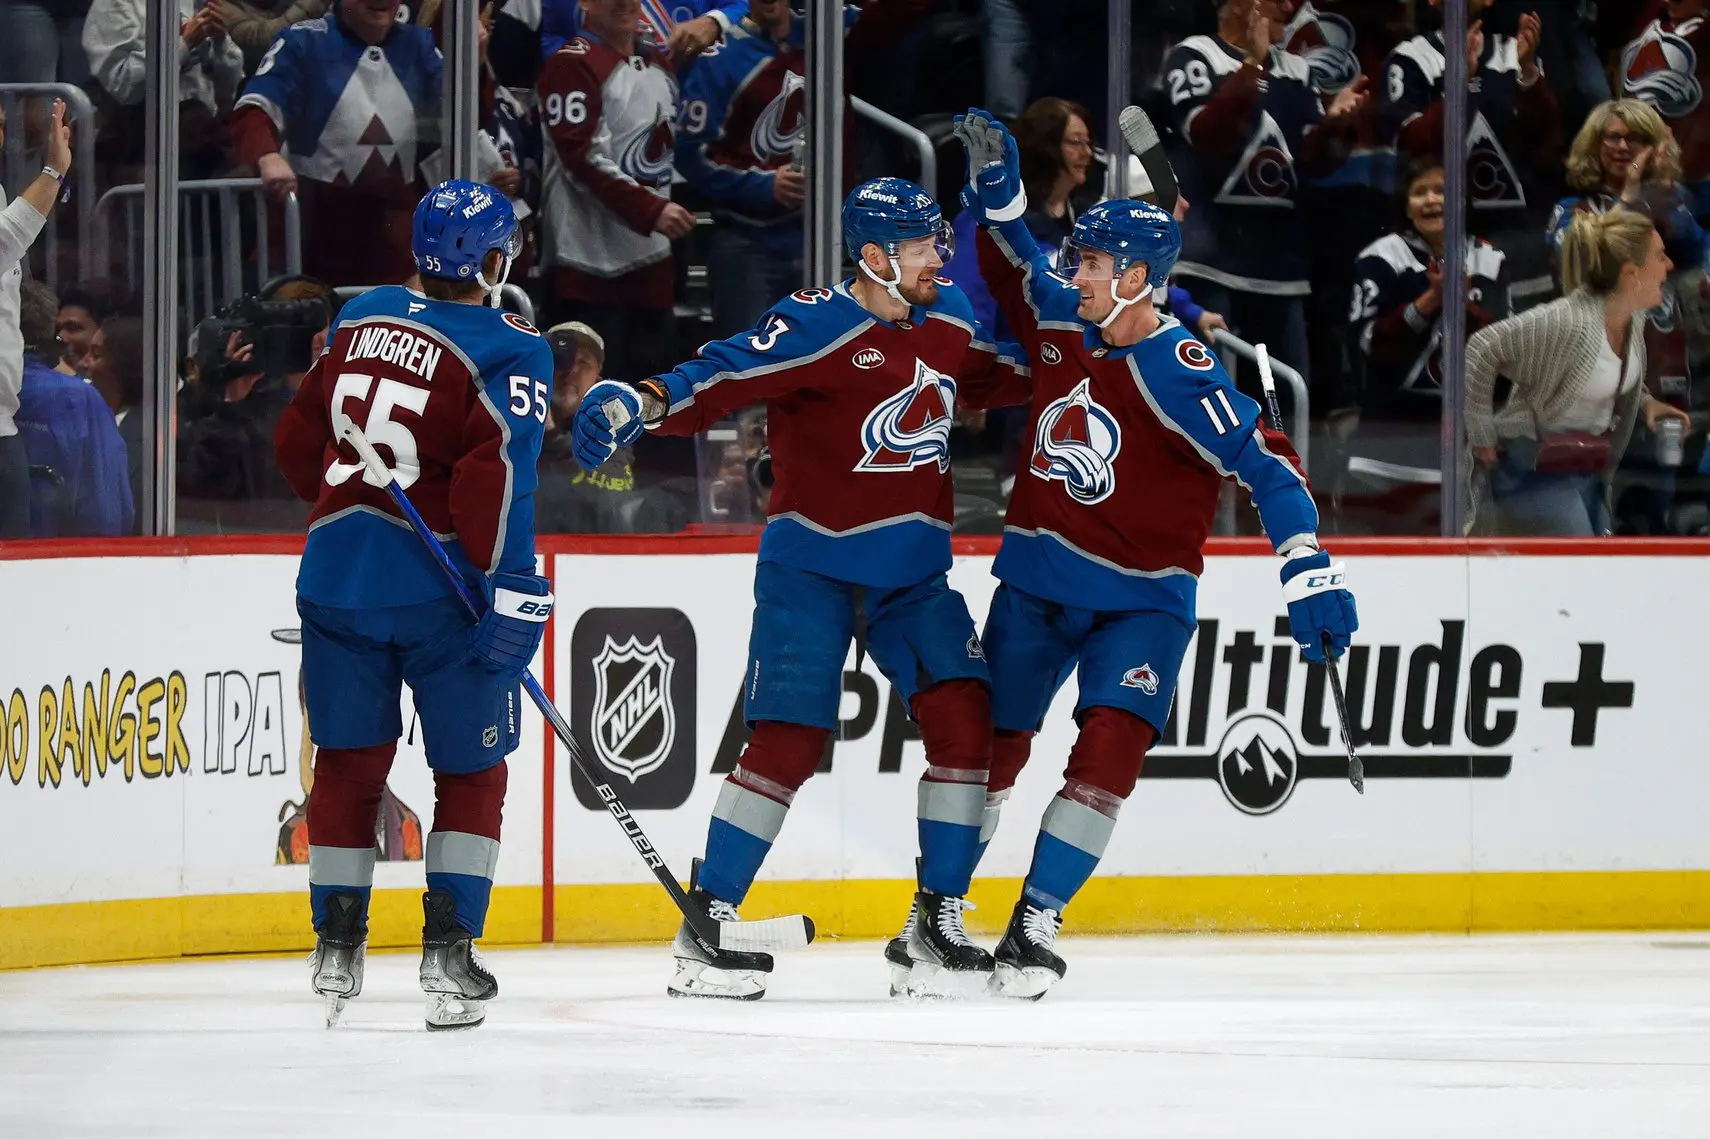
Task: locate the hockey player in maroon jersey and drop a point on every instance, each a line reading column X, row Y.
column 1134, row 429
column 608, row 102
column 861, row 383
column 455, row 394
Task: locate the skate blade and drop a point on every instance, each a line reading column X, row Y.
column 335, row 1010
column 929, row 981
column 1025, row 984
column 698, row 979
column 451, row 1011
column 899, row 980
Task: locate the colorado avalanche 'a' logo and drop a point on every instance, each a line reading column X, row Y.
column 648, row 157
column 1662, row 69
column 1265, row 175
column 780, row 123
column 1076, row 443
column 912, row 428
column 1327, row 43
column 1492, row 180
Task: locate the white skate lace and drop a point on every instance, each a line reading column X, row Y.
column 950, row 921
column 720, row 910
column 1040, row 926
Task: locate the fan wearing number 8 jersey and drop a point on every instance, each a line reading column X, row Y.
column 453, row 394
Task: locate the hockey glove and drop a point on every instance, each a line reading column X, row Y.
column 608, row 417
column 509, row 632
column 1319, row 603
column 994, row 165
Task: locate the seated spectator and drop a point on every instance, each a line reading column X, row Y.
column 82, row 308
column 82, row 487
column 210, row 68
column 609, row 105
column 117, row 368
column 1546, row 457
column 1395, row 464
column 354, row 98
column 1668, row 66
column 1249, row 126
column 254, row 24
column 571, row 500
column 1511, row 141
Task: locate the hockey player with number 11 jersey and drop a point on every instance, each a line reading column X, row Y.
column 1134, row 428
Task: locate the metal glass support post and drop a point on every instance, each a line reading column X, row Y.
column 822, row 231
column 1454, row 263
column 1116, row 98
column 462, row 104
column 160, row 251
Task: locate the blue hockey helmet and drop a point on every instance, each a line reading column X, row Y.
column 1130, row 231
column 887, row 212
column 457, row 224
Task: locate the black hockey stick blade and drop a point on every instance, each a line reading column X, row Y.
column 1356, row 769
column 1142, row 139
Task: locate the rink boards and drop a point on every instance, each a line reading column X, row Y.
column 1527, row 721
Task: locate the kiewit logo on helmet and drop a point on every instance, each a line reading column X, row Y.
column 880, row 196
column 867, row 358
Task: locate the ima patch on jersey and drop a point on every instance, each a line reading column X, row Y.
column 1076, row 443
column 1662, row 69
column 911, row 428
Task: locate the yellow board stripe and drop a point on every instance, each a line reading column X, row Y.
column 90, row 932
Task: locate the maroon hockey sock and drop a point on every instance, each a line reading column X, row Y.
column 345, row 799
column 470, row 802
column 1109, row 750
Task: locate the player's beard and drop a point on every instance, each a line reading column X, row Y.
column 921, row 292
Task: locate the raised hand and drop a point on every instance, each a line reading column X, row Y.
column 1475, row 46
column 1526, row 41
column 1349, row 102
column 994, row 165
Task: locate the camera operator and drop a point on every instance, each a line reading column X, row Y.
column 240, row 371
column 20, row 223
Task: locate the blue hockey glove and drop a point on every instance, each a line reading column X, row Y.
column 509, row 632
column 1319, row 603
column 994, row 165
column 608, row 417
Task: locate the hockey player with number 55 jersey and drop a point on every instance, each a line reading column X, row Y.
column 861, row 383
column 454, row 394
column 1134, row 429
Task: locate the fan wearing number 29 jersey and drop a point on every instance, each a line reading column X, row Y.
column 454, row 397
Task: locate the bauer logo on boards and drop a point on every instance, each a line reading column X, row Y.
column 632, row 704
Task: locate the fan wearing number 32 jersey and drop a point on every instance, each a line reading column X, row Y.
column 453, row 394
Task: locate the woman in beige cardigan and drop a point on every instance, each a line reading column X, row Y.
column 1545, row 458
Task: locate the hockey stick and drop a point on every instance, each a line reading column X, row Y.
column 1356, row 769
column 1142, row 138
column 771, row 935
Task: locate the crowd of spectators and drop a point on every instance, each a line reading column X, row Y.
column 655, row 151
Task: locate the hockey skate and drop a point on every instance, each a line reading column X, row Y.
column 735, row 976
column 341, row 950
column 945, row 961
column 452, row 974
column 896, row 949
column 1027, row 965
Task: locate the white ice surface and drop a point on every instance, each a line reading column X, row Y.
column 1255, row 1038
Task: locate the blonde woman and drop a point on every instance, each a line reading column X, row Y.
column 1576, row 368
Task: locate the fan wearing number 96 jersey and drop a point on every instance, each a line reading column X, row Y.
column 453, row 394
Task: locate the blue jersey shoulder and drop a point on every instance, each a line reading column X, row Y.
column 492, row 340
column 1172, row 349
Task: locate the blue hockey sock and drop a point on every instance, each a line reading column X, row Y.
column 949, row 814
column 1072, row 837
column 462, row 865
column 744, row 825
column 339, row 870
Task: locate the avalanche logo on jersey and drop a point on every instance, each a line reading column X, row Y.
column 1076, row 443
column 911, row 428
column 1326, row 42
column 1265, row 174
column 1662, row 69
column 777, row 127
column 1491, row 178
column 648, row 157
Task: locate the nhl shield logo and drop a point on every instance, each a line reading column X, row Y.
column 634, row 720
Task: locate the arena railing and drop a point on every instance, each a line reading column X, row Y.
column 912, row 135
column 81, row 182
column 1300, row 417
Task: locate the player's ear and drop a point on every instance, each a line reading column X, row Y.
column 1134, row 280
column 873, row 255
